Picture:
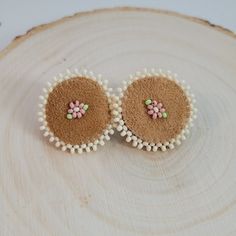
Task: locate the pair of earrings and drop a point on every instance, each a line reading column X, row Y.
column 153, row 111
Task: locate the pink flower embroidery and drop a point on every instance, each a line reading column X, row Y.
column 155, row 109
column 76, row 110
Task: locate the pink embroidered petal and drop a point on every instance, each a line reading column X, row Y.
column 156, row 109
column 76, row 110
column 154, row 116
column 74, row 114
column 72, row 105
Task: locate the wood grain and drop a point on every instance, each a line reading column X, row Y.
column 120, row 190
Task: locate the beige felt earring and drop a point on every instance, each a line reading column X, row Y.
column 154, row 110
column 75, row 111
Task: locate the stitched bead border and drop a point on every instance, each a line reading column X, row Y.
column 85, row 147
column 132, row 138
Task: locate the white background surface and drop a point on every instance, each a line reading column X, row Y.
column 17, row 16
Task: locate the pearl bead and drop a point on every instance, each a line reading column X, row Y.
column 115, row 105
column 178, row 142
column 51, row 139
column 116, row 119
column 42, row 127
column 57, row 144
column 121, row 122
column 139, row 140
column 125, row 128
column 63, row 148
column 111, row 131
column 119, row 128
column 149, row 148
column 80, row 150
column 102, row 143
column 135, row 143
column 154, row 148
column 115, row 113
column 128, row 139
column 140, row 146
column 172, row 140
column 163, row 148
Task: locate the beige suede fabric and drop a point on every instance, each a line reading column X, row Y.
column 135, row 115
column 91, row 125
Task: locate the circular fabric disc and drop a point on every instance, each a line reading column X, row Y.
column 91, row 125
column 135, row 112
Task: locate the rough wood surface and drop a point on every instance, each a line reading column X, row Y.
column 119, row 190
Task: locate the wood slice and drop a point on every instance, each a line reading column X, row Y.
column 119, row 190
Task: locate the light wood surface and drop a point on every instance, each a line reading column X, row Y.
column 120, row 190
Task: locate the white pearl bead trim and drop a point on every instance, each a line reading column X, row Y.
column 132, row 138
column 86, row 147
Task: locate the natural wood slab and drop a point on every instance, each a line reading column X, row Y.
column 119, row 190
